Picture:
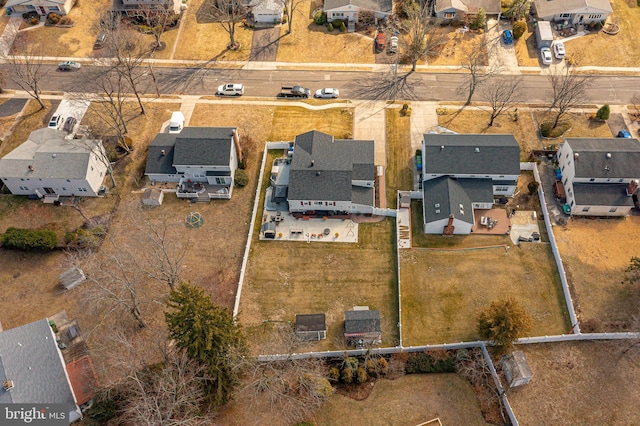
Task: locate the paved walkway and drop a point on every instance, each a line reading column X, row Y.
column 9, row 34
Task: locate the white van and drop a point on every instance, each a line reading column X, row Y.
column 176, row 123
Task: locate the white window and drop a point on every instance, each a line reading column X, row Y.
column 585, row 209
column 449, row 15
column 613, row 209
column 220, row 181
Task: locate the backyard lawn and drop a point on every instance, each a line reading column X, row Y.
column 443, row 291
column 595, row 253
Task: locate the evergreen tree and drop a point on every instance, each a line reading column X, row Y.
column 603, row 113
column 503, row 322
column 209, row 334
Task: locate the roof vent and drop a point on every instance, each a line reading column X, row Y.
column 607, row 168
column 30, row 168
column 608, row 155
column 312, row 163
column 7, row 385
column 476, row 149
column 317, row 173
column 54, row 155
column 442, row 147
column 576, row 155
column 163, row 152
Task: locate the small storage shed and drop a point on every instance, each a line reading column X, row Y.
column 268, row 230
column 152, row 197
column 311, row 326
column 362, row 326
column 71, row 278
column 516, row 369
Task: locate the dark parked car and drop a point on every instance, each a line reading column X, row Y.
column 507, row 37
column 624, row 134
column 69, row 124
column 68, row 66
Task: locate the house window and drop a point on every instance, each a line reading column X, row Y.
column 595, row 16
column 620, row 180
column 31, row 7
column 54, row 9
column 220, row 181
column 82, row 189
column 585, row 209
column 565, row 15
column 449, row 15
column 337, row 14
column 566, row 156
column 91, row 168
column 613, row 209
column 562, row 168
column 571, row 203
column 502, row 188
column 317, row 203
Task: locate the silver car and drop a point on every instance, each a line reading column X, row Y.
column 327, row 93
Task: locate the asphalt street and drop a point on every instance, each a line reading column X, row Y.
column 426, row 86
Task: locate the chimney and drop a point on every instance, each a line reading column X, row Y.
column 576, row 155
column 30, row 168
column 236, row 141
column 632, row 187
column 8, row 385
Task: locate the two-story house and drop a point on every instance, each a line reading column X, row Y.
column 202, row 160
column 330, row 176
column 48, row 165
column 600, row 176
column 465, row 172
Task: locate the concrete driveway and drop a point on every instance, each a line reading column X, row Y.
column 500, row 53
column 369, row 123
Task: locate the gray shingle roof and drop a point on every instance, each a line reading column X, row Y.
column 601, row 194
column 363, row 196
column 367, row 321
column 323, row 168
column 443, row 196
column 375, row 5
column 546, row 8
column 30, row 358
column 491, row 7
column 471, row 154
column 193, row 146
column 592, row 159
column 50, row 155
column 310, row 322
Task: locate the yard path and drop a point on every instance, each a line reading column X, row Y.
column 9, row 34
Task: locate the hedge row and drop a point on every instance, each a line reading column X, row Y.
column 30, row 239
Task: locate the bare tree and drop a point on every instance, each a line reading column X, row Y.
column 476, row 62
column 28, row 69
column 389, row 86
column 569, row 90
column 228, row 13
column 420, row 35
column 518, row 9
column 501, row 95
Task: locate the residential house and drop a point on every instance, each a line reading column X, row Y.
column 462, row 173
column 311, row 326
column 202, row 160
column 459, row 9
column 32, row 369
column 330, row 176
column 573, row 11
column 600, row 176
column 362, row 327
column 41, row 7
column 267, row 11
column 48, row 165
column 347, row 10
column 137, row 7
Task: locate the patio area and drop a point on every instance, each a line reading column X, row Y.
column 491, row 222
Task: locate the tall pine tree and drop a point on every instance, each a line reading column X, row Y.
column 209, row 335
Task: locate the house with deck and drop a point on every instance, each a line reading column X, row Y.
column 462, row 173
column 201, row 160
column 49, row 166
column 600, row 176
column 573, row 11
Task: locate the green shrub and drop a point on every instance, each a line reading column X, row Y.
column 519, row 29
column 320, row 18
column 337, row 23
column 533, row 187
column 241, row 178
column 30, row 239
column 424, row 363
column 343, row 27
column 603, row 113
column 70, row 237
column 480, row 21
column 330, row 27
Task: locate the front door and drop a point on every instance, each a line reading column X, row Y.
column 42, row 11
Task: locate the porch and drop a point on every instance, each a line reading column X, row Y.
column 203, row 191
column 490, row 222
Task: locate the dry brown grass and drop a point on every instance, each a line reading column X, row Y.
column 291, row 121
column 443, row 291
column 4, row 19
column 408, row 400
column 76, row 41
column 526, row 51
column 581, row 126
column 208, row 41
column 284, row 279
column 6, row 123
column 595, row 253
column 33, row 118
column 474, row 121
column 309, row 42
column 457, row 48
column 399, row 172
column 578, row 383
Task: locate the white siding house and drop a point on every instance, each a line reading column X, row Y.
column 47, row 164
column 347, row 10
column 599, row 175
column 42, row 7
column 462, row 173
column 459, row 9
column 573, row 11
column 267, row 11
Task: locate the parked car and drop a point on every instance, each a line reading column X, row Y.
column 69, row 124
column 327, row 93
column 624, row 134
column 545, row 55
column 558, row 50
column 177, row 122
column 99, row 43
column 507, row 37
column 393, row 45
column 68, row 66
column 380, row 42
column 55, row 122
column 232, row 89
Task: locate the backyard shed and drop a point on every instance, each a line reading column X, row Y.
column 152, row 197
column 71, row 278
column 362, row 326
column 268, row 230
column 311, row 326
column 516, row 369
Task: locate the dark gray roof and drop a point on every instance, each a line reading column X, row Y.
column 203, row 146
column 443, row 196
column 471, row 154
column 310, row 322
column 323, row 168
column 479, row 190
column 375, row 5
column 592, row 159
column 601, row 194
column 366, row 321
column 157, row 162
column 29, row 356
column 363, row 196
